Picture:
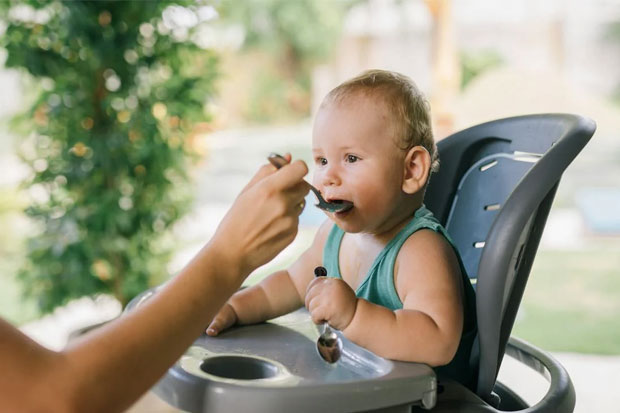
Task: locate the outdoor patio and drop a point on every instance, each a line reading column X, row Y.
column 476, row 61
column 218, row 181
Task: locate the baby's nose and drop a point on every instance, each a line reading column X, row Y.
column 330, row 176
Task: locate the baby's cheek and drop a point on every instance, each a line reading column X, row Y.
column 372, row 202
column 317, row 179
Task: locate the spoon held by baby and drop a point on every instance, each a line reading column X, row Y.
column 328, row 345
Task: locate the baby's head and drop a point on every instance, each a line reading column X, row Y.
column 373, row 145
column 408, row 107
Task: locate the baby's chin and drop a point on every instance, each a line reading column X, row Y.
column 355, row 226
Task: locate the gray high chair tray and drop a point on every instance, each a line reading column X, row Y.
column 275, row 367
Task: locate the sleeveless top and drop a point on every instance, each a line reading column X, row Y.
column 378, row 288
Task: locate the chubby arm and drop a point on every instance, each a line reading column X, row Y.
column 112, row 366
column 428, row 328
column 278, row 294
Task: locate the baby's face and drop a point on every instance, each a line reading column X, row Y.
column 356, row 159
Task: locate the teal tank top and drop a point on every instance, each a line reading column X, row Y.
column 378, row 288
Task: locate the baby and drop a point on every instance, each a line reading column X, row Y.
column 396, row 284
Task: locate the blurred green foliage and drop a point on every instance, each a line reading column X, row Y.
column 13, row 306
column 296, row 35
column 474, row 64
column 299, row 31
column 120, row 87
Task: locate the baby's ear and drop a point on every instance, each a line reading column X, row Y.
column 416, row 169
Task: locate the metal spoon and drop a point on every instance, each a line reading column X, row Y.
column 329, row 345
column 279, row 161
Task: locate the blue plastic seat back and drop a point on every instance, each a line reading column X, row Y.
column 482, row 191
column 493, row 194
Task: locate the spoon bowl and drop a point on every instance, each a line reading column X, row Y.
column 329, row 345
column 340, row 206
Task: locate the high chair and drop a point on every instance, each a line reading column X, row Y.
column 493, row 193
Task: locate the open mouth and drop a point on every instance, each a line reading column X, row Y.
column 343, row 206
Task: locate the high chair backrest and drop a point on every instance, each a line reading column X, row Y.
column 493, row 193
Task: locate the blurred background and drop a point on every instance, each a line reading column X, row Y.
column 127, row 129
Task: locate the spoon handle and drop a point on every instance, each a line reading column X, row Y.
column 279, row 161
column 322, row 272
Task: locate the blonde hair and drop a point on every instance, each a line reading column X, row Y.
column 404, row 100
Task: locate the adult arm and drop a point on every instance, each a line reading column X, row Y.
column 112, row 366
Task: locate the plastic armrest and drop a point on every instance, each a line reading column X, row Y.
column 560, row 397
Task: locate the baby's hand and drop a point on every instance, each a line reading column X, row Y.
column 331, row 300
column 225, row 318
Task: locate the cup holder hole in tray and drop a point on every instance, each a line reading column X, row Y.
column 239, row 367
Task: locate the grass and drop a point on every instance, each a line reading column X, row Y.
column 572, row 300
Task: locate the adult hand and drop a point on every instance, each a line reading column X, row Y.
column 264, row 218
column 331, row 300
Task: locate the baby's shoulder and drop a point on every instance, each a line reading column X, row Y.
column 423, row 248
column 425, row 261
column 424, row 239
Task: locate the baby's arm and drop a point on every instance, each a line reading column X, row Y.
column 427, row 277
column 278, row 294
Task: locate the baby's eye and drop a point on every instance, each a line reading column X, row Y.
column 321, row 161
column 352, row 158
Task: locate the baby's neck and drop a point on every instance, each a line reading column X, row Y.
column 394, row 224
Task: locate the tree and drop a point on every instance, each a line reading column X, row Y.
column 119, row 87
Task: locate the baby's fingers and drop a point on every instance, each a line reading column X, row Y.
column 215, row 327
column 314, row 290
column 319, row 312
column 225, row 318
